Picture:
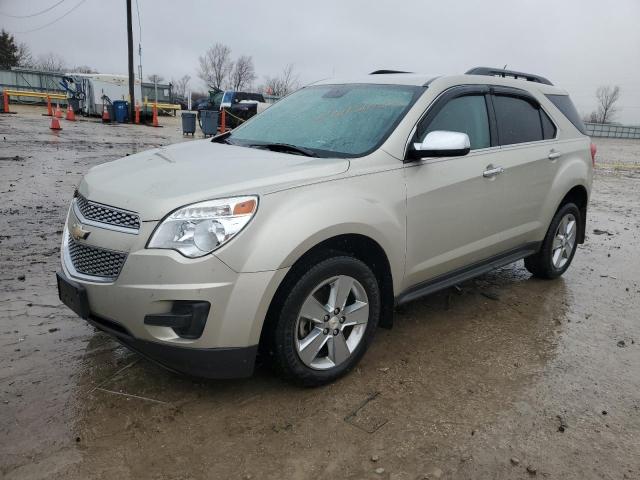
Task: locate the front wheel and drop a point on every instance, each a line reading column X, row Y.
column 327, row 320
column 559, row 245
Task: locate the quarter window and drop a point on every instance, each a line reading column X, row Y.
column 548, row 128
column 466, row 114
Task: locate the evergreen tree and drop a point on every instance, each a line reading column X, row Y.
column 8, row 50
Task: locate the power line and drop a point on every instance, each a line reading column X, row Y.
column 139, row 43
column 33, row 14
column 54, row 21
column 139, row 24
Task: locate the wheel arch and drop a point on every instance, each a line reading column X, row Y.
column 359, row 246
column 580, row 197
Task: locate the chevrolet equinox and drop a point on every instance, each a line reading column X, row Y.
column 298, row 232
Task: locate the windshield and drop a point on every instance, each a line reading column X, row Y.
column 331, row 120
column 228, row 96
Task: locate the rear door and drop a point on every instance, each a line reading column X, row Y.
column 450, row 203
column 530, row 158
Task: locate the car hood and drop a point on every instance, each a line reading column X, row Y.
column 155, row 182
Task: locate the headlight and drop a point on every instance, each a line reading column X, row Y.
column 198, row 229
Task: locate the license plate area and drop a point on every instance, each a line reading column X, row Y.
column 73, row 295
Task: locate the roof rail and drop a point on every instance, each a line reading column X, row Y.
column 500, row 72
column 384, row 72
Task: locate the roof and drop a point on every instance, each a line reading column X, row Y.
column 423, row 79
column 418, row 79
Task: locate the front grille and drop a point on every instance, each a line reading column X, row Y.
column 105, row 214
column 95, row 261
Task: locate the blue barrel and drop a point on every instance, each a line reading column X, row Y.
column 121, row 111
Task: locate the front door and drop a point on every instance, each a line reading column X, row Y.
column 451, row 201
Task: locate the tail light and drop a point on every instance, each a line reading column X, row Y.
column 594, row 150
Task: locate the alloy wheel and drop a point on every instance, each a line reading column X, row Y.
column 564, row 241
column 332, row 322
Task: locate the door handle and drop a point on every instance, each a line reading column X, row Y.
column 492, row 171
column 553, row 155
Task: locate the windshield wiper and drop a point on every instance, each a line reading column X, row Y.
column 223, row 138
column 285, row 147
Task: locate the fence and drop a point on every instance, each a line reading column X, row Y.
column 31, row 80
column 612, row 131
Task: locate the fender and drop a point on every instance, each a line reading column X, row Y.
column 575, row 170
column 291, row 222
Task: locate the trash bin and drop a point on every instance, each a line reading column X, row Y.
column 121, row 111
column 188, row 123
column 209, row 122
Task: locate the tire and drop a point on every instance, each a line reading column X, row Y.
column 302, row 327
column 547, row 263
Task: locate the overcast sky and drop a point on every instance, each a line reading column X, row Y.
column 577, row 44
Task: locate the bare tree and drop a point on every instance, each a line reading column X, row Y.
column 180, row 86
column 83, row 69
column 591, row 118
column 25, row 58
column 51, row 62
column 243, row 74
column 282, row 84
column 215, row 65
column 607, row 97
column 155, row 78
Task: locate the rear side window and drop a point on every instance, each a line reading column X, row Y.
column 254, row 96
column 467, row 114
column 565, row 105
column 518, row 120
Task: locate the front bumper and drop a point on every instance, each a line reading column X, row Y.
column 217, row 363
column 150, row 285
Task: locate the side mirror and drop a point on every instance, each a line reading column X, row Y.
column 441, row 143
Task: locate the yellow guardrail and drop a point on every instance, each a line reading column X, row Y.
column 34, row 94
column 162, row 106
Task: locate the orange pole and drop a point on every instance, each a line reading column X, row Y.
column 155, row 115
column 49, row 107
column 5, row 96
column 137, row 120
column 223, row 121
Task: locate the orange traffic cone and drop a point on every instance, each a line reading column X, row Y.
column 137, row 117
column 49, row 107
column 105, row 114
column 71, row 115
column 55, row 124
column 58, row 111
column 155, row 115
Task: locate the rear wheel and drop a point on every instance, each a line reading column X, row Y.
column 559, row 245
column 327, row 320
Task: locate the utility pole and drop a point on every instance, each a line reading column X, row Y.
column 131, row 74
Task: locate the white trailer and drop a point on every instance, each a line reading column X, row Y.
column 96, row 86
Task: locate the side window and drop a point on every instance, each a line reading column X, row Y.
column 467, row 114
column 518, row 120
column 548, row 128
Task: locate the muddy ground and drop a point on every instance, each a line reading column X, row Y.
column 511, row 378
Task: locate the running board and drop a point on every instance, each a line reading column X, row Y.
column 466, row 273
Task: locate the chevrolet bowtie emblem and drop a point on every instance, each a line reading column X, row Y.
column 79, row 233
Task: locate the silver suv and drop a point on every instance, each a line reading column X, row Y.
column 297, row 233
